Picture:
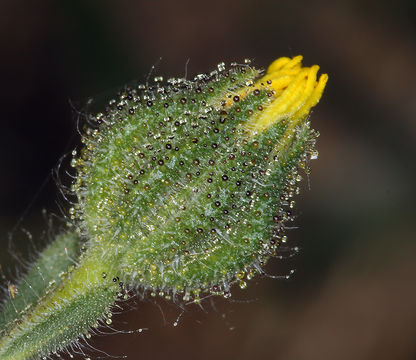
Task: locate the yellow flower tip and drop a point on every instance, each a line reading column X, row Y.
column 295, row 91
column 284, row 63
column 277, row 64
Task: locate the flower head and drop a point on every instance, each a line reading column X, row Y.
column 185, row 188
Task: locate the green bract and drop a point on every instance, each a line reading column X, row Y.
column 178, row 194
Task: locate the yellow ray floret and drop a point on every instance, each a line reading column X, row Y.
column 295, row 91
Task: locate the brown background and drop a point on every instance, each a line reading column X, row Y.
column 353, row 295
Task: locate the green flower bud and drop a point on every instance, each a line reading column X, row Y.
column 186, row 187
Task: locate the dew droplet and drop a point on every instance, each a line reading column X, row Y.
column 242, row 284
column 314, row 155
column 221, row 66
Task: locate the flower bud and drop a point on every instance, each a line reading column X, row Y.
column 185, row 188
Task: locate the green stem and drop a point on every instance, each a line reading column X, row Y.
column 44, row 275
column 63, row 314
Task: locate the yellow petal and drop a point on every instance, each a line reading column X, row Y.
column 295, row 91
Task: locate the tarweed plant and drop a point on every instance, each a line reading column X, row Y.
column 182, row 190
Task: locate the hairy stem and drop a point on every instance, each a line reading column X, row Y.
column 63, row 314
column 44, row 275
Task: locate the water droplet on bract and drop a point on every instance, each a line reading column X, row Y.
column 242, row 284
column 247, row 61
column 109, row 321
column 314, row 155
column 221, row 66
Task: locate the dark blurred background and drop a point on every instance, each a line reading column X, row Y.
column 353, row 294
